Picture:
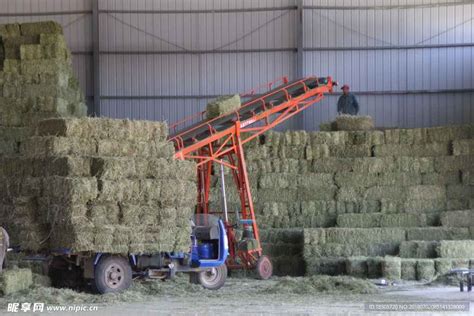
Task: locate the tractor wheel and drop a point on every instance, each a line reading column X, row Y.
column 112, row 274
column 264, row 268
column 214, row 278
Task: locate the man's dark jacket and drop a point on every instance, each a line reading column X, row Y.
column 347, row 104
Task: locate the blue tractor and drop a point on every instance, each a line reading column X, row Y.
column 205, row 262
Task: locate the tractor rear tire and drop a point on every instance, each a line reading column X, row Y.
column 112, row 274
column 214, row 278
column 264, row 268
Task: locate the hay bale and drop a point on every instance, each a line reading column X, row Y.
column 445, row 178
column 354, row 123
column 36, row 28
column 359, row 220
column 455, row 248
column 350, row 151
column 463, row 147
column 9, row 30
column 418, row 249
column 437, row 233
column 415, row 164
column 374, row 267
column 426, row 150
column 222, row 105
column 327, row 266
column 443, row 265
column 458, row 219
column 357, row 266
column 459, row 191
column 408, row 269
column 453, row 163
column 391, row 268
column 467, row 178
column 366, row 236
column 426, row 192
column 425, row 269
column 14, row 280
column 403, row 220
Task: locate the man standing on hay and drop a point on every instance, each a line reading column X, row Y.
column 347, row 103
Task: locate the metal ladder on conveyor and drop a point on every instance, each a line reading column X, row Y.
column 220, row 141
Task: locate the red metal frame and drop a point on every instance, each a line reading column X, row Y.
column 226, row 147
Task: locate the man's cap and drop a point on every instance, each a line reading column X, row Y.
column 345, row 86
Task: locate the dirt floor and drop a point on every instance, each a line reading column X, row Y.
column 243, row 296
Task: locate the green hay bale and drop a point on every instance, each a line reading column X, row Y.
column 324, row 193
column 385, row 192
column 455, row 248
column 350, row 151
column 374, row 267
column 313, row 180
column 463, row 147
column 291, row 235
column 12, row 45
column 445, row 178
column 329, row 139
column 426, row 192
column 9, row 30
column 354, row 123
column 222, row 105
column 284, row 265
column 425, row 269
column 357, row 266
column 30, row 51
column 359, row 220
column 102, row 214
column 15, row 280
column 403, row 220
column 391, row 268
column 70, row 190
column 467, row 178
column 415, row 164
column 458, row 219
column 365, row 138
column 453, row 163
column 437, row 233
column 36, row 28
column 327, row 266
column 350, row 179
column 418, row 249
column 427, row 150
column 443, row 266
column 323, row 284
column 124, row 190
column 408, row 269
column 459, row 191
column 57, row 146
column 61, row 166
column 427, row 206
column 364, row 235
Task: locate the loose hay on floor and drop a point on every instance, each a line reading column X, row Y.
column 323, row 284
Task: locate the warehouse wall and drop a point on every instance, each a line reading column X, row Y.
column 409, row 61
column 410, row 66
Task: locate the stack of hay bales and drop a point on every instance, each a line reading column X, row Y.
column 390, row 189
column 77, row 183
column 100, row 185
column 36, row 79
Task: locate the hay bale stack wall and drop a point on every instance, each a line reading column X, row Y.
column 364, row 194
column 67, row 181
